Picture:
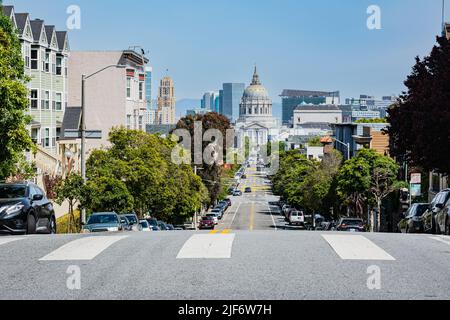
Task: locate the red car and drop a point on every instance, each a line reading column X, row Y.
column 207, row 223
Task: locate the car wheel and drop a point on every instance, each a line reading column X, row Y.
column 31, row 224
column 407, row 230
column 52, row 226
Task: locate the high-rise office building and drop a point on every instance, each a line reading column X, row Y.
column 166, row 102
column 291, row 99
column 209, row 101
column 232, row 95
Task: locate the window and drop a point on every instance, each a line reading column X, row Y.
column 27, row 55
column 128, row 87
column 46, row 62
column 128, row 122
column 46, row 140
column 58, row 101
column 141, row 91
column 34, row 99
column 35, row 135
column 59, row 62
column 53, row 64
column 140, row 123
column 46, row 100
column 34, row 59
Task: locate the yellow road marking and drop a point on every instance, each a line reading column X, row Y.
column 226, row 231
column 214, row 232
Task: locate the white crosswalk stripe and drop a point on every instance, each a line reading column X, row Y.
column 83, row 249
column 206, row 246
column 445, row 240
column 356, row 247
column 8, row 240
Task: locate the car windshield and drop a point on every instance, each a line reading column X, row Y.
column 207, row 219
column 144, row 224
column 153, row 222
column 212, row 215
column 12, row 191
column 132, row 219
column 352, row 222
column 419, row 210
column 103, row 219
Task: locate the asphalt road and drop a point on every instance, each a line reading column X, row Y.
column 249, row 256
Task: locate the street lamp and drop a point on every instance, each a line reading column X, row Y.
column 347, row 145
column 83, row 124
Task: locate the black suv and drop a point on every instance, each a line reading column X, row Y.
column 24, row 209
column 436, row 218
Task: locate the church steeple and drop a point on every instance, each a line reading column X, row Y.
column 256, row 80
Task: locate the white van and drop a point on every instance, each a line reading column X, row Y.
column 297, row 218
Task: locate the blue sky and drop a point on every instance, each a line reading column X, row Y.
column 297, row 44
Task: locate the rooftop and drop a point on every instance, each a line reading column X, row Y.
column 310, row 107
column 288, row 93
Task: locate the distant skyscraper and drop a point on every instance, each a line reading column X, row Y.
column 220, row 108
column 166, row 102
column 232, row 95
column 148, row 87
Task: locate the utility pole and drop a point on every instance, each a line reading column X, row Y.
column 83, row 141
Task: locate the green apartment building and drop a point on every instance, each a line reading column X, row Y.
column 45, row 52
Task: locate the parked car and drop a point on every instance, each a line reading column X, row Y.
column 207, row 223
column 297, row 218
column 214, row 216
column 170, row 227
column 145, row 226
column 126, row 224
column 237, row 193
column 24, row 209
column 153, row 224
column 223, row 205
column 429, row 218
column 134, row 221
column 412, row 222
column 219, row 212
column 443, row 219
column 351, row 225
column 244, row 176
column 162, row 226
column 248, row 190
column 103, row 222
column 228, row 201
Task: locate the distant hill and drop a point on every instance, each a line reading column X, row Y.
column 186, row 104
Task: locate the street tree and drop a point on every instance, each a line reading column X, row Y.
column 71, row 190
column 14, row 137
column 419, row 128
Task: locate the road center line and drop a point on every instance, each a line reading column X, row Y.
column 83, row 249
column 355, row 247
column 252, row 216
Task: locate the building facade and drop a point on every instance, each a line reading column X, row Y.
column 166, row 111
column 231, row 99
column 371, row 105
column 115, row 97
column 45, row 51
column 255, row 115
column 293, row 98
column 306, row 114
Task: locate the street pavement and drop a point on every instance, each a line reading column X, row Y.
column 250, row 255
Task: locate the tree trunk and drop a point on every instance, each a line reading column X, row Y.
column 378, row 215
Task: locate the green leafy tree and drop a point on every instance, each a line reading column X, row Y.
column 72, row 190
column 107, row 194
column 209, row 173
column 14, row 137
column 419, row 128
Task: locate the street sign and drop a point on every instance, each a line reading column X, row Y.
column 416, row 190
column 416, row 178
column 76, row 134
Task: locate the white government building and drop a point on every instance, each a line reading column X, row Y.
column 255, row 116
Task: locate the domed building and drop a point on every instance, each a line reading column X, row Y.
column 255, row 115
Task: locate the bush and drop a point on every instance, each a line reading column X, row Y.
column 62, row 223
